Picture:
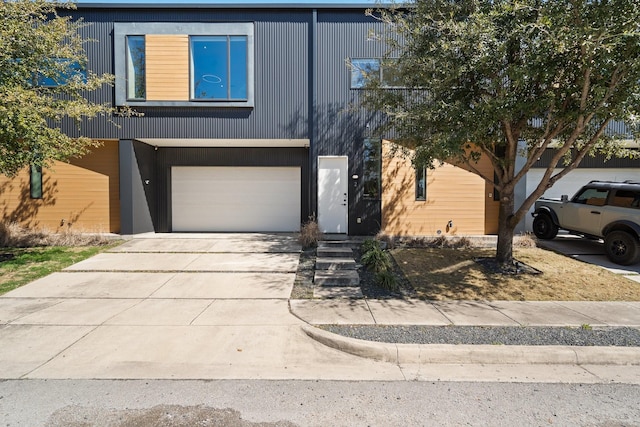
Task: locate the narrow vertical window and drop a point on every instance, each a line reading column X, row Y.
column 421, row 183
column 36, row 182
column 372, row 168
column 136, row 59
column 219, row 67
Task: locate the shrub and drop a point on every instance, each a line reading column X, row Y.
column 16, row 236
column 310, row 233
column 387, row 280
column 525, row 241
column 374, row 257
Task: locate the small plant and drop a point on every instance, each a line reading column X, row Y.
column 310, row 233
column 524, row 241
column 387, row 280
column 374, row 257
column 586, row 327
column 16, row 236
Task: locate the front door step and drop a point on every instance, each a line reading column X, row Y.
column 336, row 278
column 335, row 264
column 334, row 252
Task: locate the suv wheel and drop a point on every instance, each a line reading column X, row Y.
column 544, row 228
column 622, row 248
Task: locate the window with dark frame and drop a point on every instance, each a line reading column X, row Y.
column 35, row 182
column 421, row 183
column 363, row 69
column 219, row 68
column 372, row 168
column 61, row 72
column 136, row 70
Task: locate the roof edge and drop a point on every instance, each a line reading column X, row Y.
column 81, row 5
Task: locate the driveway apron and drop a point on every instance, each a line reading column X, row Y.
column 190, row 306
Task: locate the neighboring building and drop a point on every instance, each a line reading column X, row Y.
column 249, row 124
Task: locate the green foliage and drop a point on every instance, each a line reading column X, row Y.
column 482, row 76
column 374, row 257
column 387, row 280
column 37, row 44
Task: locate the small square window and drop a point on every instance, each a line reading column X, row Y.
column 421, row 184
column 363, row 69
column 385, row 71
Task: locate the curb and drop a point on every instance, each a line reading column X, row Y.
column 476, row 354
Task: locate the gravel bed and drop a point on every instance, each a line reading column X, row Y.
column 477, row 335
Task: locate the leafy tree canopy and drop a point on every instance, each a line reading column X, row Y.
column 483, row 75
column 44, row 80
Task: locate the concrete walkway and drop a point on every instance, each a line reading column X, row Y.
column 190, row 306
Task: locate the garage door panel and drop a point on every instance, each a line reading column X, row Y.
column 236, row 198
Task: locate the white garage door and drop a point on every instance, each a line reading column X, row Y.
column 235, row 198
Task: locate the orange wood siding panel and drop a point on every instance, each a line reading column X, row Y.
column 452, row 194
column 84, row 193
column 167, row 67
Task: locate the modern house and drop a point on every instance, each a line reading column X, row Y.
column 250, row 123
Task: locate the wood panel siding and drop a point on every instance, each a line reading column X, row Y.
column 453, row 194
column 167, row 67
column 82, row 195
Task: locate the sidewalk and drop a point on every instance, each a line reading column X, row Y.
column 466, row 313
column 473, row 313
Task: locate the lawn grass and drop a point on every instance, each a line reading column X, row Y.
column 30, row 264
column 452, row 274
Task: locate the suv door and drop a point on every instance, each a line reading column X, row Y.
column 584, row 212
column 623, row 204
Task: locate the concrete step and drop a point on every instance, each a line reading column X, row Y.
column 338, row 244
column 337, row 278
column 335, row 264
column 328, row 292
column 334, row 252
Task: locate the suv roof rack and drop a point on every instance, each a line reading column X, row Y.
column 628, row 181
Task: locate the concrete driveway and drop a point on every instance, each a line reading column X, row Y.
column 171, row 306
column 591, row 251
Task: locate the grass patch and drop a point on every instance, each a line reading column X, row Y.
column 452, row 274
column 24, row 265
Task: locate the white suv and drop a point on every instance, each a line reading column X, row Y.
column 601, row 209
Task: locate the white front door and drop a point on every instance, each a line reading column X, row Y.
column 333, row 194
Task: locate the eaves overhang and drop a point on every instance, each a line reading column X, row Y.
column 222, row 142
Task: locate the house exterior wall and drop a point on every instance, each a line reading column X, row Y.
column 82, row 195
column 452, row 194
column 302, row 91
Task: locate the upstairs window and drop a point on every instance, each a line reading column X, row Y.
column 61, row 72
column 219, row 68
column 136, row 59
column 364, row 69
column 184, row 64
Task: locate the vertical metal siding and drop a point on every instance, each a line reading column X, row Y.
column 281, row 77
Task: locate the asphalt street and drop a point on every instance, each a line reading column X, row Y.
column 314, row 403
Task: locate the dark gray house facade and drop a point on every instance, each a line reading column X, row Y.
column 249, row 118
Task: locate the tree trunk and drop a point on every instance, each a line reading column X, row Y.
column 506, row 227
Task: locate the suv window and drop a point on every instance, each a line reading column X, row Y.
column 592, row 196
column 626, row 199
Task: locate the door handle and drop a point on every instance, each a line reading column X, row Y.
column 595, row 212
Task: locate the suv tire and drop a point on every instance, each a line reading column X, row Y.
column 622, row 248
column 544, row 227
